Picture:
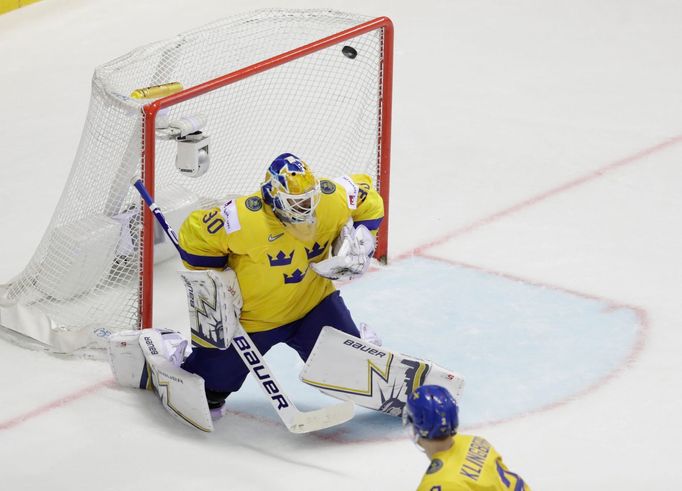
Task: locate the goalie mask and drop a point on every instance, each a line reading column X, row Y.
column 292, row 190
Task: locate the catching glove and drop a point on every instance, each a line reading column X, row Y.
column 350, row 256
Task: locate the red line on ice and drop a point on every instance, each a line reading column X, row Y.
column 62, row 401
column 601, row 172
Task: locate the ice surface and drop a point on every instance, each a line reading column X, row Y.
column 534, row 243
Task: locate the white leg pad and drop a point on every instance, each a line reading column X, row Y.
column 371, row 376
column 182, row 393
column 126, row 359
column 214, row 303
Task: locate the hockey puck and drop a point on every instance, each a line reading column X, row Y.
column 349, row 52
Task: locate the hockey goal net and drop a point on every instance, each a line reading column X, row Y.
column 316, row 83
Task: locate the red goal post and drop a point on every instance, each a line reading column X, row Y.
column 382, row 177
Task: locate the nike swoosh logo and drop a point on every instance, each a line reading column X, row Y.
column 273, row 238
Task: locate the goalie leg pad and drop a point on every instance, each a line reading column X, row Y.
column 214, row 303
column 126, row 359
column 182, row 393
column 371, row 376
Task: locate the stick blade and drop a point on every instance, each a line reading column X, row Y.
column 319, row 419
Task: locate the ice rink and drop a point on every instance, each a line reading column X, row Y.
column 535, row 247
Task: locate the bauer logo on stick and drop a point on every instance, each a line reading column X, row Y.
column 261, row 371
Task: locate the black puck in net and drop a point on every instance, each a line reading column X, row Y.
column 349, row 52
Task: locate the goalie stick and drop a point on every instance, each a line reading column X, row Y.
column 295, row 420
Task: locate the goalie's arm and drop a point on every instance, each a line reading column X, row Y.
column 204, row 241
column 194, row 253
column 370, row 205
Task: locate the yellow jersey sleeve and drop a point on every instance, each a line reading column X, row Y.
column 365, row 204
column 203, row 240
column 470, row 464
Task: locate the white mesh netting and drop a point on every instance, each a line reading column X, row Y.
column 84, row 277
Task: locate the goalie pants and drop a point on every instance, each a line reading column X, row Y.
column 224, row 371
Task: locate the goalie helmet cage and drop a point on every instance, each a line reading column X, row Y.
column 316, row 83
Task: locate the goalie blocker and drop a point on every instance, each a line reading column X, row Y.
column 371, row 376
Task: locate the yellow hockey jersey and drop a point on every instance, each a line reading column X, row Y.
column 272, row 265
column 471, row 464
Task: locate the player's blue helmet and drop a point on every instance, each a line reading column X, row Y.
column 291, row 188
column 432, row 412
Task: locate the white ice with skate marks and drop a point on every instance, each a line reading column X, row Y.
column 521, row 347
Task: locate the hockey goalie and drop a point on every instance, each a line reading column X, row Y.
column 260, row 272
